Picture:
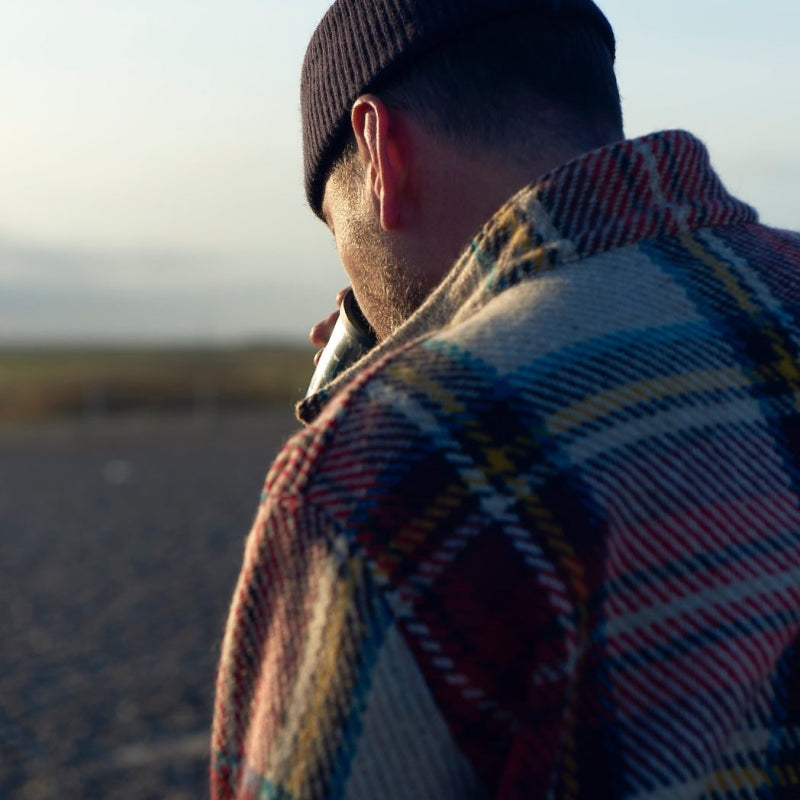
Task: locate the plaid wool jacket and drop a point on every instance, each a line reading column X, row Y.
column 545, row 541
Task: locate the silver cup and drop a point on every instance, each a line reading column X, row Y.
column 351, row 339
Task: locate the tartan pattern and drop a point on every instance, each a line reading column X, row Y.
column 545, row 542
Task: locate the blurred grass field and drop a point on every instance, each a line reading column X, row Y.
column 42, row 384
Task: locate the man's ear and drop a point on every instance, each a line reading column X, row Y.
column 384, row 146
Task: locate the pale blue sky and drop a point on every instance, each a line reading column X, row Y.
column 150, row 165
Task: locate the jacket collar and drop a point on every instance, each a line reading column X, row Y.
column 659, row 185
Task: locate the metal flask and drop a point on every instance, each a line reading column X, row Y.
column 352, row 338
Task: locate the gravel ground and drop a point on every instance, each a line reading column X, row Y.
column 120, row 544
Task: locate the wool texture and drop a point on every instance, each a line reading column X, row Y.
column 545, row 541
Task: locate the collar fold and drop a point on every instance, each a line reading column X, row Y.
column 658, row 185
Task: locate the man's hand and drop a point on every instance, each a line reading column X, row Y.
column 321, row 332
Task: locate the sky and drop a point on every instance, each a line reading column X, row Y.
column 151, row 169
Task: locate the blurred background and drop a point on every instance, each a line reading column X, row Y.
column 159, row 272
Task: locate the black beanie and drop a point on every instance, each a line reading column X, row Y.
column 359, row 41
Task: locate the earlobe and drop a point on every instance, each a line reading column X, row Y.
column 380, row 135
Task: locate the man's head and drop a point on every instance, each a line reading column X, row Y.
column 420, row 117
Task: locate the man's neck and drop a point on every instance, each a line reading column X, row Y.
column 464, row 190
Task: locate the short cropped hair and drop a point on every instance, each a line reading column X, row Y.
column 511, row 82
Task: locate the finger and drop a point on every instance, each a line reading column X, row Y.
column 318, row 355
column 341, row 294
column 321, row 332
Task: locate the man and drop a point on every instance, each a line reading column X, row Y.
column 543, row 540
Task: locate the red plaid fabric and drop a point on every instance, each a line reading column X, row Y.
column 544, row 542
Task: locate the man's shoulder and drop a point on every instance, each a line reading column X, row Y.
column 519, row 353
